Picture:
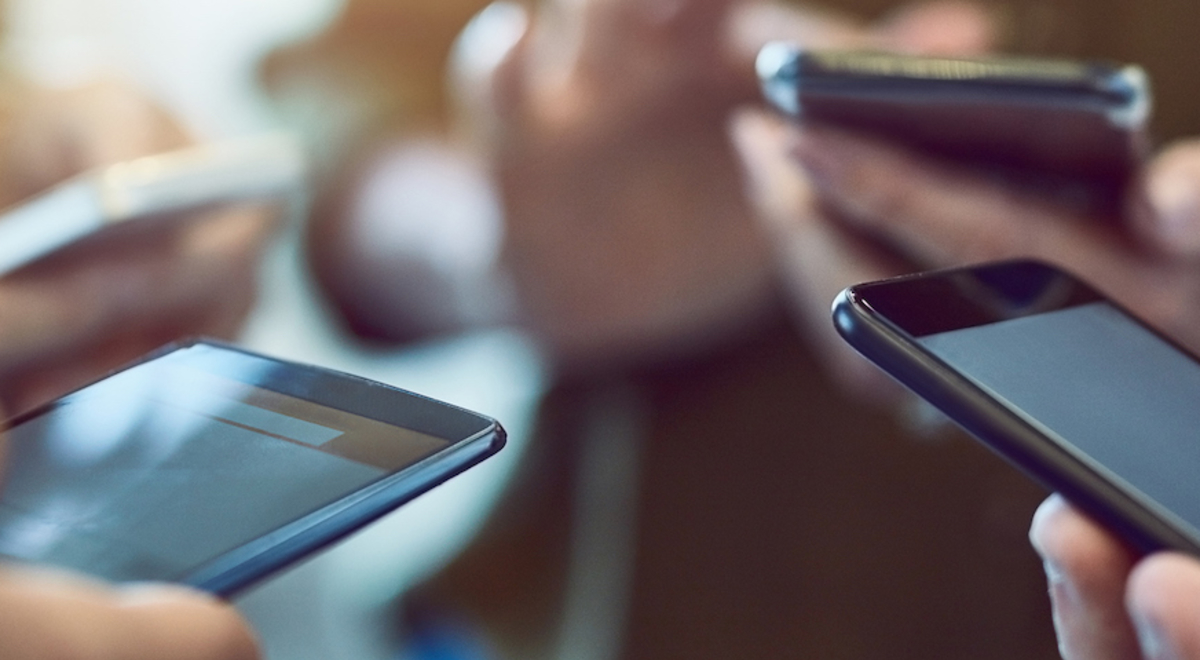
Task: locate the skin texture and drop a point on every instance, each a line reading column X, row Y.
column 845, row 208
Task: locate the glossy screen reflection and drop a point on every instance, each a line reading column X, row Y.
column 158, row 469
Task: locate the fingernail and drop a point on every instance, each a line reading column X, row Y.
column 1176, row 202
column 1154, row 643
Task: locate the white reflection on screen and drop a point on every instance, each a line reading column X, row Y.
column 135, row 420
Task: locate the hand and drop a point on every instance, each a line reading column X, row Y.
column 1108, row 605
column 55, row 615
column 76, row 315
column 604, row 121
column 846, row 208
column 47, row 135
column 68, row 319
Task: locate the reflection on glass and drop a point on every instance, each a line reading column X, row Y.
column 131, row 478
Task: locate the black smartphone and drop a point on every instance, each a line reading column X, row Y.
column 1075, row 122
column 1055, row 377
column 210, row 466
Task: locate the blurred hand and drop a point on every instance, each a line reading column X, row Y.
column 47, row 135
column 55, row 615
column 846, row 209
column 74, row 316
column 605, row 123
column 1109, row 605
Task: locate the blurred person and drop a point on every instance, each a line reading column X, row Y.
column 588, row 148
column 595, row 135
column 845, row 208
column 75, row 315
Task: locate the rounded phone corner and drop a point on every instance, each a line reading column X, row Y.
column 778, row 70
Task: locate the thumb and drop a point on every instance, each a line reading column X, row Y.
column 50, row 614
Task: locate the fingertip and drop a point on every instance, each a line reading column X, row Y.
column 176, row 617
column 1073, row 545
column 1172, row 189
column 1044, row 531
column 1164, row 602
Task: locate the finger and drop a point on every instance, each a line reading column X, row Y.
column 940, row 27
column 486, row 70
column 684, row 30
column 942, row 215
column 1164, row 602
column 1086, row 569
column 53, row 615
column 1172, row 188
column 815, row 260
column 167, row 280
column 53, row 134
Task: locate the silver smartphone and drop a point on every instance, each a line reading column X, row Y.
column 156, row 187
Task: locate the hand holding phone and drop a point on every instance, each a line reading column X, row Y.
column 1106, row 600
column 846, row 207
column 117, row 261
column 1074, row 122
column 1054, row 376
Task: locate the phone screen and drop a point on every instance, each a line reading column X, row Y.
column 1111, row 392
column 154, row 471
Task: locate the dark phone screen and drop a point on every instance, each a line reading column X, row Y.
column 152, row 472
column 1102, row 385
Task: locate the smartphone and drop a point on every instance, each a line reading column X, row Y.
column 1063, row 382
column 1076, row 122
column 210, row 466
column 158, row 187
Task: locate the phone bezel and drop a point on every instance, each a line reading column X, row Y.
column 1143, row 523
column 472, row 438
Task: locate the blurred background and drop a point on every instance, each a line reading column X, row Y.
column 723, row 499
